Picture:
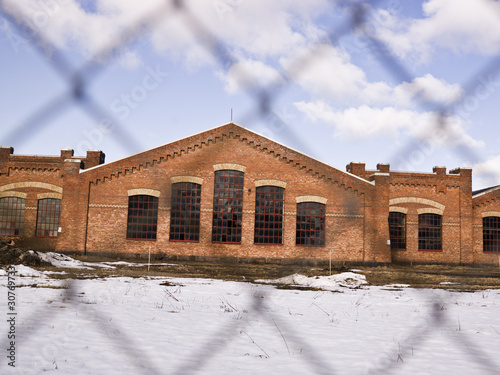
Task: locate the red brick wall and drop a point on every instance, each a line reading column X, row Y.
column 344, row 208
column 487, row 204
column 453, row 191
column 95, row 201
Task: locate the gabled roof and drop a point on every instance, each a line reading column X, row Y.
column 191, row 143
column 480, row 192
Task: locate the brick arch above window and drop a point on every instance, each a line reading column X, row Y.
column 31, row 184
column 429, row 211
column 425, row 201
column 490, row 213
column 17, row 194
column 402, row 210
column 231, row 166
column 192, row 179
column 152, row 192
column 49, row 195
column 311, row 198
column 278, row 183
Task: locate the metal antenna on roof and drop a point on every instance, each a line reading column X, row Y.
column 231, row 115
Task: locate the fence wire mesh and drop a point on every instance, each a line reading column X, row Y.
column 357, row 21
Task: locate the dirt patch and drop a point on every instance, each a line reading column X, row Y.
column 12, row 254
column 417, row 276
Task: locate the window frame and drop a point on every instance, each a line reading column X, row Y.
column 397, row 224
column 430, row 223
column 43, row 213
column 149, row 213
column 494, row 234
column 227, row 216
column 307, row 216
column 264, row 217
column 15, row 208
column 185, row 212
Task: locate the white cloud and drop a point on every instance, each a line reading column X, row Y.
column 66, row 24
column 249, row 74
column 463, row 27
column 427, row 89
column 130, row 60
column 368, row 122
column 486, row 172
column 331, row 75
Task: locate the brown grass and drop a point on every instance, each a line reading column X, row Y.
column 417, row 276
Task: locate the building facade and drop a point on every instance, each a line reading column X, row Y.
column 229, row 192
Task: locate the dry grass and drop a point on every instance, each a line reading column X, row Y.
column 417, row 276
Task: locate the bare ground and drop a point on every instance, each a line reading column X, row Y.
column 417, row 276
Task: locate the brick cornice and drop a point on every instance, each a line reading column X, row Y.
column 304, row 163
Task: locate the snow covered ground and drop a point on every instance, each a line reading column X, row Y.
column 165, row 325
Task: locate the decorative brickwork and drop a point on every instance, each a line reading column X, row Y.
column 194, row 180
column 30, row 184
column 154, row 193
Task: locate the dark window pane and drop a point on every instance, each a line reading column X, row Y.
column 268, row 216
column 48, row 216
column 12, row 216
column 186, row 203
column 142, row 217
column 227, row 216
column 429, row 232
column 309, row 230
column 491, row 234
column 397, row 230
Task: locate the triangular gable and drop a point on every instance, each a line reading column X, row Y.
column 177, row 148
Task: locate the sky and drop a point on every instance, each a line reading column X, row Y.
column 410, row 83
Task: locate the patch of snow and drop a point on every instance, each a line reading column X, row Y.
column 120, row 325
column 25, row 271
column 345, row 279
column 60, row 260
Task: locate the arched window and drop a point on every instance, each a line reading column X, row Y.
column 48, row 216
column 429, row 232
column 491, row 234
column 12, row 216
column 397, row 230
column 310, row 224
column 185, row 212
column 228, row 206
column 269, row 210
column 142, row 217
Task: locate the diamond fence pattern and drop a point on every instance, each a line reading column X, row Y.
column 78, row 80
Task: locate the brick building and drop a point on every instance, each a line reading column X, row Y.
column 229, row 192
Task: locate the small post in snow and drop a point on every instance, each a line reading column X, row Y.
column 149, row 257
column 330, row 261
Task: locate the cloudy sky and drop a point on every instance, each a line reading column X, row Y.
column 412, row 83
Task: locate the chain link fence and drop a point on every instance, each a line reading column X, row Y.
column 358, row 21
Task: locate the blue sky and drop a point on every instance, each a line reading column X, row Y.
column 339, row 93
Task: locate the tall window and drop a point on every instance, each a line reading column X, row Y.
column 310, row 224
column 269, row 208
column 48, row 216
column 491, row 234
column 429, row 232
column 228, row 206
column 11, row 216
column 397, row 230
column 185, row 212
column 142, row 217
